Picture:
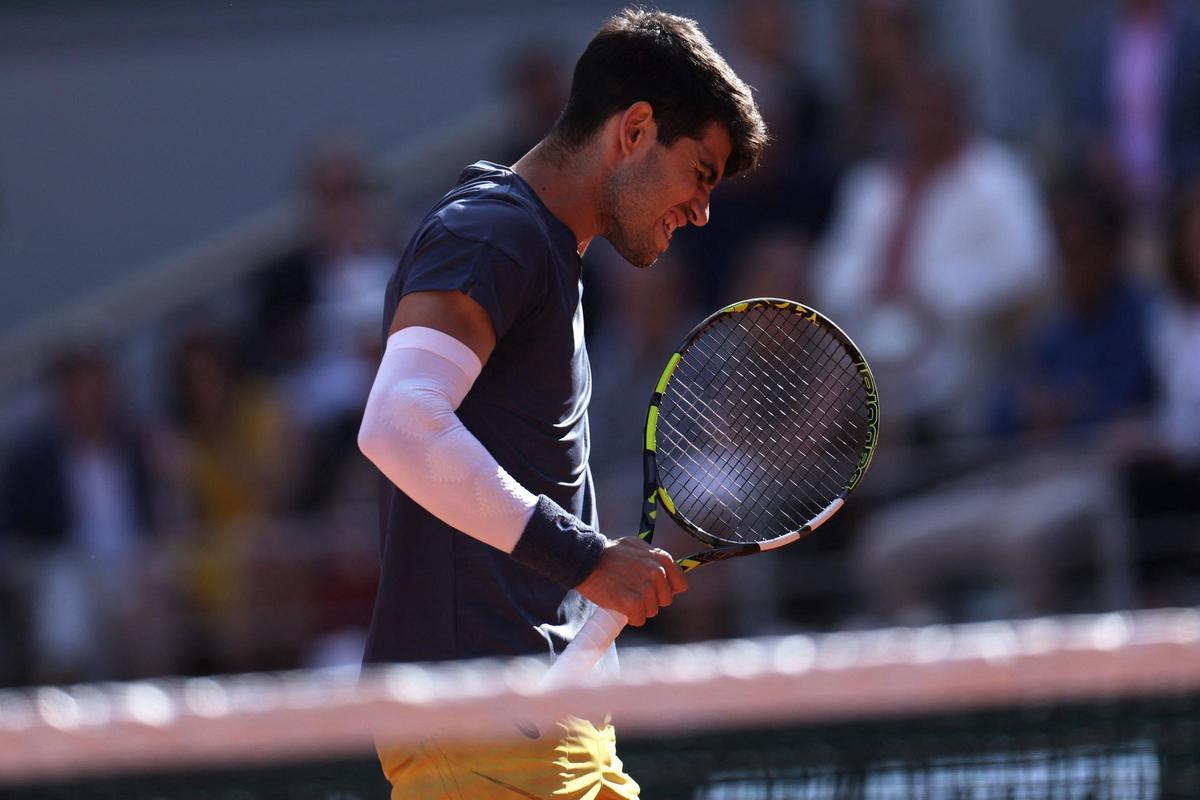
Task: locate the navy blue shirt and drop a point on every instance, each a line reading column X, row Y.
column 442, row 594
column 1097, row 365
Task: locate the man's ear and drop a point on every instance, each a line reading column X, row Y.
column 637, row 128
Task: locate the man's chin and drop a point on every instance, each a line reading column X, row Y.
column 641, row 260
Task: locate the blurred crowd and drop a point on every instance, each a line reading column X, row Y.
column 1030, row 307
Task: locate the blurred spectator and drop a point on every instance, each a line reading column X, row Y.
column 237, row 461
column 1048, row 531
column 1009, row 540
column 883, row 46
column 317, row 312
column 238, row 453
column 77, row 498
column 930, row 251
column 537, row 84
column 1177, row 339
column 1088, row 361
column 794, row 185
column 774, row 264
column 1132, row 96
column 1164, row 479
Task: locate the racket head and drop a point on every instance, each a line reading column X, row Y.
column 764, row 420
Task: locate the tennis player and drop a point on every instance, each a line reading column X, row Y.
column 478, row 414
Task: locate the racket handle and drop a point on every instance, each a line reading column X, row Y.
column 586, row 650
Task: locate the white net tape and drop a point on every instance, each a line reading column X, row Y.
column 63, row 732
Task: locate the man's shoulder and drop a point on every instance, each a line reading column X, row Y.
column 994, row 172
column 491, row 206
column 988, row 157
column 874, row 175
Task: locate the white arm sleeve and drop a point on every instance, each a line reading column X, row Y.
column 411, row 433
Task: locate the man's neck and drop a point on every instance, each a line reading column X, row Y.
column 568, row 187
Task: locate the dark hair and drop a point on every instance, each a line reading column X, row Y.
column 1077, row 190
column 666, row 61
column 75, row 359
column 202, row 343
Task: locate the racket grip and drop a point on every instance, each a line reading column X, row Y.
column 586, row 650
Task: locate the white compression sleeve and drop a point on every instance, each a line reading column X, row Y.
column 411, row 433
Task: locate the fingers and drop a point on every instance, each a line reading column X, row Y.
column 666, row 580
column 650, row 604
column 644, row 603
column 662, row 588
column 637, row 619
column 635, row 579
column 673, row 573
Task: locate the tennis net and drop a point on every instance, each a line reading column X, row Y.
column 1083, row 707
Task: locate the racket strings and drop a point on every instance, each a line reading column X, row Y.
column 716, row 481
column 783, row 368
column 829, row 348
column 711, row 469
column 821, row 425
column 846, row 442
column 823, row 484
column 762, row 425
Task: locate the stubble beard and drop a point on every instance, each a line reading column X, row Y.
column 624, row 206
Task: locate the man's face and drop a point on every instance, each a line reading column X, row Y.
column 662, row 189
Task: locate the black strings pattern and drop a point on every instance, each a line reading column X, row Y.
column 761, row 425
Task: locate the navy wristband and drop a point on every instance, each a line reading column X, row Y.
column 558, row 545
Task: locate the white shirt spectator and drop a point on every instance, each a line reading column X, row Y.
column 1175, row 345
column 976, row 248
column 102, row 499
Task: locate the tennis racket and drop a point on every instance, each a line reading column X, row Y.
column 762, row 423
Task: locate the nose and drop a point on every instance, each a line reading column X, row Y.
column 697, row 211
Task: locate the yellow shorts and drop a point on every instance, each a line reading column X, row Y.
column 580, row 764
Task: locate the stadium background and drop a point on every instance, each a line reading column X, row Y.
column 199, row 204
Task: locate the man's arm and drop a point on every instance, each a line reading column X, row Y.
column 453, row 313
column 411, row 433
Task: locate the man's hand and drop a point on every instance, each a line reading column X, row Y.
column 633, row 578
